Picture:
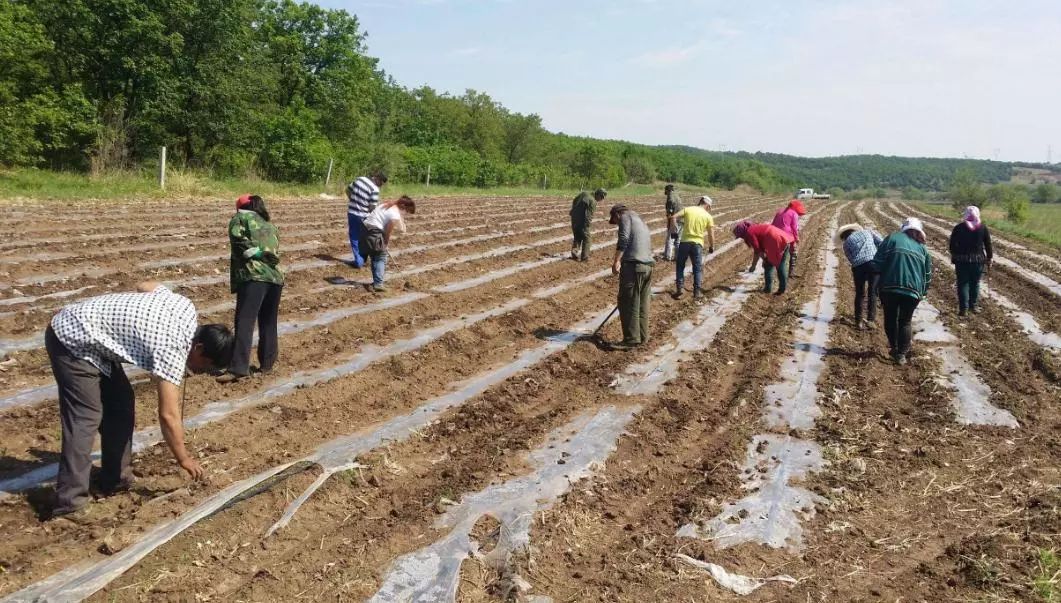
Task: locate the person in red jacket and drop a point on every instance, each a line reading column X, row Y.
column 772, row 245
column 787, row 219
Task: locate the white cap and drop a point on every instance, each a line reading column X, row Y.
column 912, row 224
column 706, row 201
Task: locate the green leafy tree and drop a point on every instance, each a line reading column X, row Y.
column 965, row 190
column 1045, row 193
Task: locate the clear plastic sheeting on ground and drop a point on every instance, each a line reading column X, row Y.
column 773, row 512
column 76, row 583
column 740, row 584
column 433, row 573
column 649, row 376
column 971, row 396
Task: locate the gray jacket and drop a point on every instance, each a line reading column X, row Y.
column 634, row 239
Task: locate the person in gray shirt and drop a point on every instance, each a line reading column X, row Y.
column 633, row 263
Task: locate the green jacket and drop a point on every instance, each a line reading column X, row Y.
column 905, row 266
column 255, row 250
column 674, row 203
column 582, row 209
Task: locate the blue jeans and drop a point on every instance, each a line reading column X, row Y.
column 694, row 252
column 379, row 267
column 356, row 225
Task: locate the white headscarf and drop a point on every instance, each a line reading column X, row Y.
column 972, row 217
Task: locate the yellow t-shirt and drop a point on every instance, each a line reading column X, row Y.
column 697, row 221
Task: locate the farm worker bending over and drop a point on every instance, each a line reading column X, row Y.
column 674, row 229
column 859, row 247
column 970, row 252
column 787, row 219
column 379, row 225
column 362, row 196
column 254, row 269
column 772, row 245
column 582, row 209
column 699, row 225
column 905, row 273
column 87, row 342
column 633, row 263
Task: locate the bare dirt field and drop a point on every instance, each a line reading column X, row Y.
column 464, row 437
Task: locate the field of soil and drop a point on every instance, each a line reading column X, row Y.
column 464, row 435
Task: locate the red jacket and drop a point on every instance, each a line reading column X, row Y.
column 769, row 240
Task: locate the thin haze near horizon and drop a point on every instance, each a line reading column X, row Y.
column 935, row 78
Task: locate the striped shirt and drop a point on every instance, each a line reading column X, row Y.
column 363, row 195
column 153, row 331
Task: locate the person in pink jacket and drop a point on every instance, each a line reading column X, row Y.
column 787, row 219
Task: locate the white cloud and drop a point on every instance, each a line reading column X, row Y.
column 668, row 56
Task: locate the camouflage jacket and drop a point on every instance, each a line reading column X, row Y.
column 582, row 209
column 674, row 203
column 249, row 231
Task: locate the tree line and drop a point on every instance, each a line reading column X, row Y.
column 277, row 89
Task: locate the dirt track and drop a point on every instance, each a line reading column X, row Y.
column 914, row 504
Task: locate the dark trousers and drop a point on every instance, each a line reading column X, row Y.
column 582, row 240
column 791, row 259
column 355, row 225
column 967, row 275
column 689, row 251
column 90, row 401
column 898, row 314
column 635, row 292
column 256, row 302
column 866, row 279
column 782, row 274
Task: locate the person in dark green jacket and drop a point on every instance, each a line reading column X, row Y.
column 905, row 273
column 582, row 209
column 257, row 282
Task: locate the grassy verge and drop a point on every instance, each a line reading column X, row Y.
column 1044, row 225
column 60, row 186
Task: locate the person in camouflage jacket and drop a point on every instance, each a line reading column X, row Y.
column 257, row 282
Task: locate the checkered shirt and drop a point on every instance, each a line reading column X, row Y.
column 153, row 331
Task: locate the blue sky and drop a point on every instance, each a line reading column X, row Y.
column 817, row 77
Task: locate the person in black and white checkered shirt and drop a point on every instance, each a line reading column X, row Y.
column 88, row 342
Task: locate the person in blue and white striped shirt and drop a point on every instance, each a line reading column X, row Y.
column 363, row 196
column 860, row 246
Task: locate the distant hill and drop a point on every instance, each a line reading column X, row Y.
column 851, row 172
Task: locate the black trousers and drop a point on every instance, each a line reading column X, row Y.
column 866, row 279
column 90, row 401
column 898, row 316
column 256, row 302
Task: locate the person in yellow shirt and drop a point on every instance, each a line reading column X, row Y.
column 698, row 233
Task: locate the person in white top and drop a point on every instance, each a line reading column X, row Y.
column 87, row 343
column 379, row 225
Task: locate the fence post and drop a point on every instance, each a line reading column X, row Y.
column 162, row 169
column 328, row 178
column 428, row 185
column 545, row 183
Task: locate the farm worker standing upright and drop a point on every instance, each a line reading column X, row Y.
column 87, row 343
column 697, row 233
column 787, row 219
column 254, row 269
column 582, row 209
column 860, row 246
column 379, row 225
column 771, row 244
column 905, row 273
column 674, row 229
column 970, row 252
column 633, row 263
column 362, row 197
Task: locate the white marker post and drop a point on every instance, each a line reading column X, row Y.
column 428, row 182
column 162, row 169
column 328, row 178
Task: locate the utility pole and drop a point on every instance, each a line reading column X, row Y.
column 1049, row 154
column 162, row 169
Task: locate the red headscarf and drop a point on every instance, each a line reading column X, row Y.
column 797, row 206
column 243, row 202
